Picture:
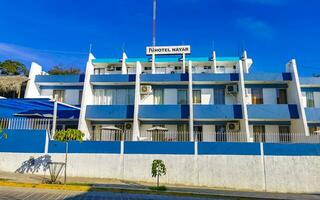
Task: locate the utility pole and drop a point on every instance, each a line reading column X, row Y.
column 153, row 67
column 154, row 23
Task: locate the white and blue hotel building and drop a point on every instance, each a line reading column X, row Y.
column 209, row 95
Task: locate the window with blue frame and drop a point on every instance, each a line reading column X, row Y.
column 219, row 96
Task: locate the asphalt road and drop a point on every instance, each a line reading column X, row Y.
column 11, row 193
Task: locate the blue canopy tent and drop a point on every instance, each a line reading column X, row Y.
column 39, row 108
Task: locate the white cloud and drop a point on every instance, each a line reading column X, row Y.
column 256, row 28
column 46, row 58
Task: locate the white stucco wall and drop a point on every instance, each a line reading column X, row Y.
column 255, row 173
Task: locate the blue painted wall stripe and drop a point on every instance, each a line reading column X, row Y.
column 85, row 147
column 291, row 149
column 228, row 148
column 183, row 148
column 23, row 141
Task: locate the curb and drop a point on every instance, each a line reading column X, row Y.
column 82, row 188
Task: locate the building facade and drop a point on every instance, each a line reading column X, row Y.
column 188, row 98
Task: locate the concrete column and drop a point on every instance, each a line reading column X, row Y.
column 32, row 91
column 245, row 64
column 124, row 66
column 190, row 103
column 214, row 62
column 183, row 63
column 295, row 97
column 87, row 99
column 244, row 122
column 136, row 125
column 153, row 67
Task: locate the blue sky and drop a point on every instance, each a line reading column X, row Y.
column 60, row 32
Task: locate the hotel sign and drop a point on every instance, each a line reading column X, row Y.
column 168, row 50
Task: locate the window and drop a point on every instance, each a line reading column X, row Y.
column 157, row 96
column 259, row 133
column 310, row 99
column 284, row 134
column 282, row 96
column 114, row 96
column 257, row 95
column 313, row 129
column 221, row 135
column 198, row 133
column 59, row 95
column 197, row 96
column 219, row 96
column 183, row 132
column 182, row 97
column 80, row 97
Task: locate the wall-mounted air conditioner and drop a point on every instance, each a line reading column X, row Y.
column 233, row 126
column 110, row 68
column 128, row 126
column 232, row 89
column 145, row 89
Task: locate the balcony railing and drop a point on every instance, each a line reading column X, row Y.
column 179, row 136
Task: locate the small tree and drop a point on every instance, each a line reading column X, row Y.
column 58, row 70
column 66, row 136
column 3, row 135
column 10, row 67
column 158, row 169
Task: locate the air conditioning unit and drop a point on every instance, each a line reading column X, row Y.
column 110, row 68
column 145, row 89
column 172, row 72
column 232, row 89
column 233, row 127
column 128, row 126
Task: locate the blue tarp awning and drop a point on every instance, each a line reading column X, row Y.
column 41, row 108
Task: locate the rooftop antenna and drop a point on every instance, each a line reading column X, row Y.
column 90, row 48
column 154, row 23
column 213, row 45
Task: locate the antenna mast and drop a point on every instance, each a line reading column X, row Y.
column 154, row 23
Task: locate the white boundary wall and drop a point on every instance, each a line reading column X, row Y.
column 294, row 174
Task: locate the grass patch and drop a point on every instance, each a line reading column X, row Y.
column 160, row 188
column 4, row 179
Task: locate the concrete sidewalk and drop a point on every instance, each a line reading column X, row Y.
column 141, row 186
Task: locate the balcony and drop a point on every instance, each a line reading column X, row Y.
column 112, row 78
column 105, row 112
column 312, row 114
column 215, row 77
column 273, row 111
column 169, row 112
column 164, row 77
column 59, row 78
column 268, row 77
column 228, row 112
